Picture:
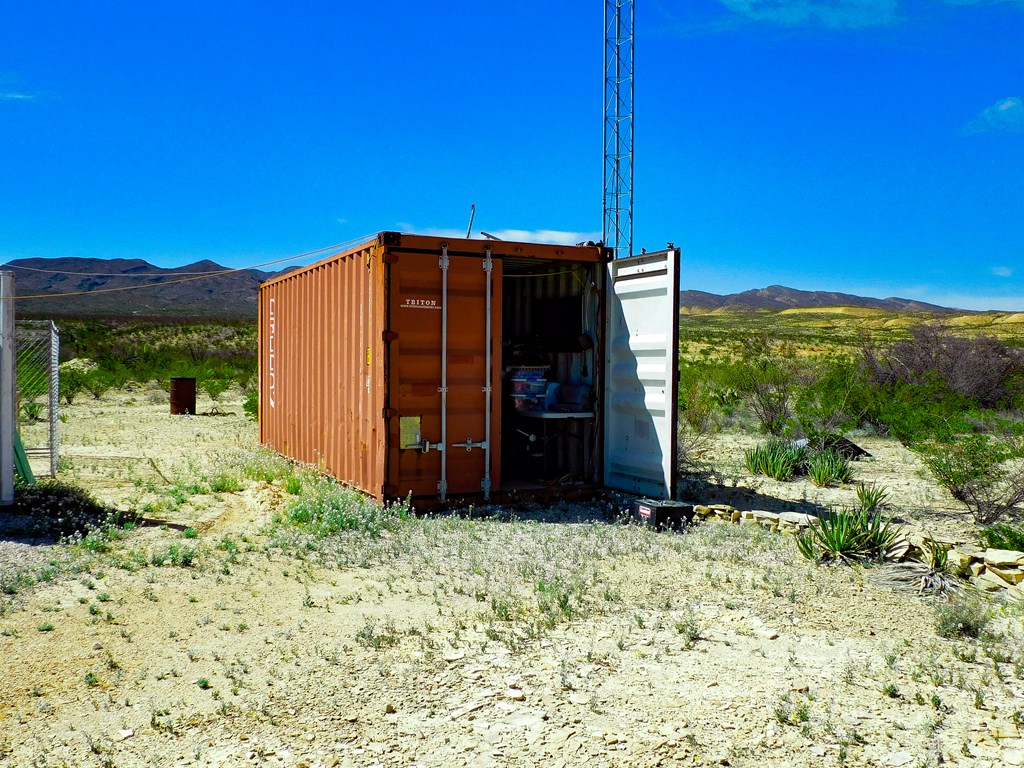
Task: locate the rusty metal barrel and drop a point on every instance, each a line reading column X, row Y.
column 183, row 396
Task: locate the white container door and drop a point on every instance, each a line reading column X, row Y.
column 641, row 374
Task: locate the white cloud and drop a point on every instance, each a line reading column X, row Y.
column 834, row 14
column 1002, row 271
column 1005, row 116
column 553, row 236
column 16, row 96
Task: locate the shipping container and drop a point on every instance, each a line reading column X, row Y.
column 456, row 369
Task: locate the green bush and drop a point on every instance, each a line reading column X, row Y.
column 832, row 401
column 1002, row 536
column 978, row 471
column 769, row 375
column 962, row 617
column 324, row 507
column 251, row 404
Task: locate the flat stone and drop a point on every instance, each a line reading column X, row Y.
column 761, row 514
column 454, row 656
column 722, row 508
column 1012, row 757
column 581, row 699
column 977, row 569
column 1003, row 557
column 1011, row 575
column 959, row 558
column 989, row 581
column 798, row 519
column 516, row 694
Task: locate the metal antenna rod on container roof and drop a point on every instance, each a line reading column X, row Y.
column 617, row 229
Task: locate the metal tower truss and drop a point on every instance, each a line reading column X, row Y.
column 618, row 127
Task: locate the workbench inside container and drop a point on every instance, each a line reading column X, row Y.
column 451, row 369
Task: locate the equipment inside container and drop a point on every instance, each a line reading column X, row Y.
column 551, row 320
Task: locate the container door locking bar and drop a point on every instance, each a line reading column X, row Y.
column 443, row 263
column 469, row 445
column 485, row 484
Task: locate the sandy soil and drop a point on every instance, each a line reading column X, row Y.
column 436, row 643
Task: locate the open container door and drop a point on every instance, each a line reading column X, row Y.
column 641, row 374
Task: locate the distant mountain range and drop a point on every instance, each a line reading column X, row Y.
column 781, row 297
column 96, row 287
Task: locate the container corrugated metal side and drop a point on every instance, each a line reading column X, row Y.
column 322, row 378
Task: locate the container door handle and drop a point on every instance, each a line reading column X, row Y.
column 469, row 445
column 426, row 446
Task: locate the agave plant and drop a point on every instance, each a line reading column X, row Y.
column 776, row 459
column 827, row 467
column 871, row 496
column 848, row 535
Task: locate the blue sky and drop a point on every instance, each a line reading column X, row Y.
column 867, row 146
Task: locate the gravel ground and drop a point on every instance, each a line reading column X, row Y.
column 558, row 639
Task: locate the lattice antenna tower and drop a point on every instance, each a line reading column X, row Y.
column 618, row 127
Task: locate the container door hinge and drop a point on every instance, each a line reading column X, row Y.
column 426, row 447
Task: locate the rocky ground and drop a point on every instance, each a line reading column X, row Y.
column 553, row 637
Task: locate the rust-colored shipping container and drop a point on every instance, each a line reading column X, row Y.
column 454, row 368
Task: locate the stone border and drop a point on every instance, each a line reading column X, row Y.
column 991, row 570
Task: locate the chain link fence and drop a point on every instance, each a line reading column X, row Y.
column 38, row 376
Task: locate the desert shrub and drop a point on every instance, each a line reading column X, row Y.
column 55, row 509
column 215, row 386
column 965, row 616
column 323, row 507
column 848, row 535
column 251, row 404
column 72, row 382
column 981, row 472
column 832, row 401
column 768, row 376
column 98, row 382
column 698, row 421
column 1002, row 536
column 980, row 368
column 870, row 496
column 827, row 467
column 777, row 459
